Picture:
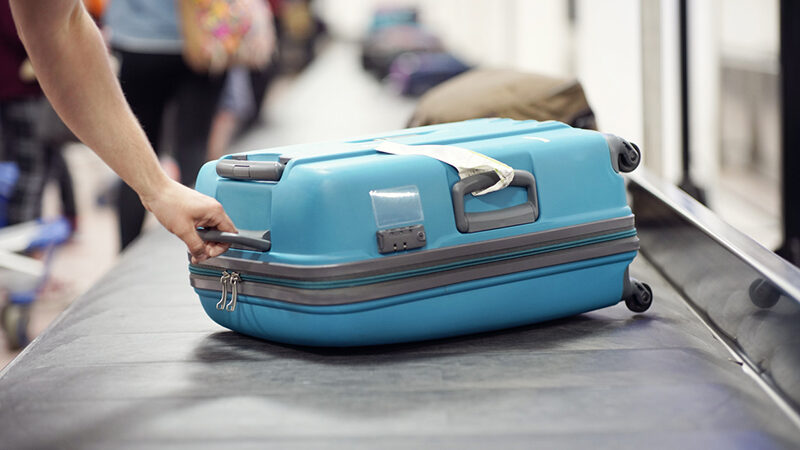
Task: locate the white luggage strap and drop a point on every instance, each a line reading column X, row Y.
column 467, row 162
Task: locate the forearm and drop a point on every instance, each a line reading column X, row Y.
column 70, row 60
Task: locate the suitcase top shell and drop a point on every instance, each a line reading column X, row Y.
column 327, row 202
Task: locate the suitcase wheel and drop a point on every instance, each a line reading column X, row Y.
column 641, row 298
column 629, row 159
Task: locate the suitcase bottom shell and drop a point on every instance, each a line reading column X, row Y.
column 470, row 307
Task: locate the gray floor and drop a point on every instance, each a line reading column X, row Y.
column 135, row 363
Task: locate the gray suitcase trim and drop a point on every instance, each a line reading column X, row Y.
column 356, row 294
column 420, row 259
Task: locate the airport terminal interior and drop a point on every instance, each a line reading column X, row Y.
column 446, row 342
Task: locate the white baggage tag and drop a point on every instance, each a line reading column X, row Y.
column 467, row 162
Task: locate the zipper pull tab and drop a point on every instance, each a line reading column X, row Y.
column 224, row 280
column 234, row 280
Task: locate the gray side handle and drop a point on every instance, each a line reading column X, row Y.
column 255, row 240
column 250, row 170
column 466, row 222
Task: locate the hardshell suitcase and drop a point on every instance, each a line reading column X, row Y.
column 349, row 246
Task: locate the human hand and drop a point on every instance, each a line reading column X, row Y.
column 181, row 210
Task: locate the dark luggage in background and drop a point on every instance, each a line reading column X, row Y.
column 384, row 18
column 505, row 93
column 350, row 246
column 390, row 16
column 414, row 74
column 380, row 48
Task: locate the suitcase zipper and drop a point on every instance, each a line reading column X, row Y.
column 226, row 279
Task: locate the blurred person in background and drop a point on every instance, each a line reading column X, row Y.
column 69, row 56
column 243, row 93
column 237, row 104
column 145, row 35
column 292, row 31
column 30, row 132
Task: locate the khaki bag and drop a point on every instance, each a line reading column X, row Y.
column 505, row 93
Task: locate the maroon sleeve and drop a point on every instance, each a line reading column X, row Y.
column 12, row 54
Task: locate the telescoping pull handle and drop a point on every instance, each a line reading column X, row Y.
column 526, row 212
column 253, row 240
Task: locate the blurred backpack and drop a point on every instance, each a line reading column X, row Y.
column 505, row 93
column 218, row 34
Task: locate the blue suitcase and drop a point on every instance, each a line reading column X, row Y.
column 347, row 246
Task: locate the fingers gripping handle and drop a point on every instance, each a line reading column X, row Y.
column 251, row 240
column 526, row 212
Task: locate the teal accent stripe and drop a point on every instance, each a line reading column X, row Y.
column 204, row 272
column 417, row 272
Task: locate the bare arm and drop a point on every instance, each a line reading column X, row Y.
column 69, row 56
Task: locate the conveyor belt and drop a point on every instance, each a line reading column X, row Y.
column 135, row 363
